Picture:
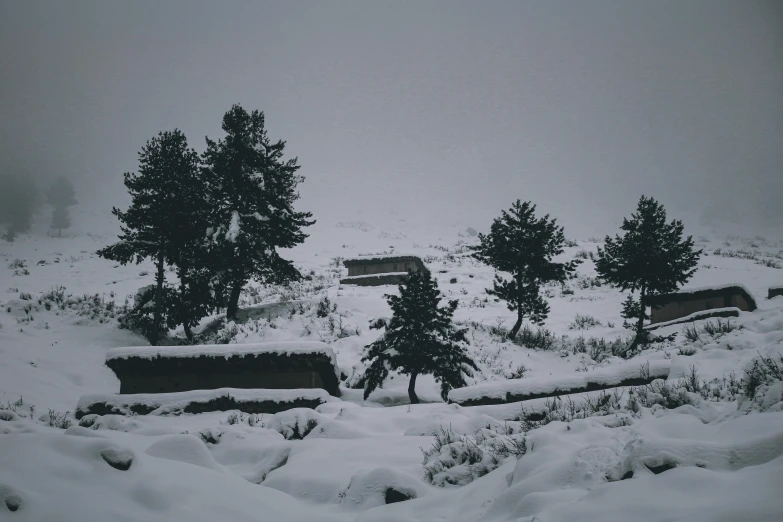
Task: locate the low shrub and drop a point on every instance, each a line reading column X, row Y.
column 763, row 371
column 455, row 459
column 584, row 322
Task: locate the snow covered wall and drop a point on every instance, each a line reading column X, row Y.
column 200, row 401
column 292, row 365
column 516, row 390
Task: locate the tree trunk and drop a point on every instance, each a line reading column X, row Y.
column 639, row 339
column 156, row 318
column 514, row 331
column 233, row 300
column 184, row 302
column 188, row 332
column 412, row 389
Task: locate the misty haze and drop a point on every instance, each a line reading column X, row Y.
column 391, row 261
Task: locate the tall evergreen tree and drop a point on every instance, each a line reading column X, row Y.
column 61, row 196
column 60, row 219
column 523, row 246
column 651, row 257
column 166, row 218
column 419, row 339
column 252, row 192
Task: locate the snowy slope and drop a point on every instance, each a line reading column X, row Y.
column 725, row 454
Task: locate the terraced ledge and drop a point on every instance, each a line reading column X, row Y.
column 517, row 390
column 391, row 278
column 201, row 401
column 698, row 316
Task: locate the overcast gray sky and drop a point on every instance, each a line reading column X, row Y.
column 439, row 110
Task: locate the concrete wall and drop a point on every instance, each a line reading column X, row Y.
column 382, row 268
column 740, row 302
column 175, row 382
column 677, row 309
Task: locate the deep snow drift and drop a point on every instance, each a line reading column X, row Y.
column 691, row 448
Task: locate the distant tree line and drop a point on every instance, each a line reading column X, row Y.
column 217, row 218
column 20, row 198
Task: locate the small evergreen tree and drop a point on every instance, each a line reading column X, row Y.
column 163, row 221
column 61, row 196
column 523, row 246
column 252, row 192
column 651, row 258
column 419, row 339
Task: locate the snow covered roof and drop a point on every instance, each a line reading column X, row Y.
column 513, row 390
column 223, row 350
column 383, row 258
column 704, row 292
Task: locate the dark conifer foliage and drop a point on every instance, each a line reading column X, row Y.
column 61, row 196
column 165, row 222
column 523, row 246
column 18, row 198
column 652, row 257
column 252, row 192
column 419, row 339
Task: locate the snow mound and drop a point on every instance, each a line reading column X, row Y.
column 600, row 469
column 513, row 390
column 380, row 486
column 56, row 478
column 252, row 458
column 184, row 448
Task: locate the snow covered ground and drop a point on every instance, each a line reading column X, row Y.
column 704, row 455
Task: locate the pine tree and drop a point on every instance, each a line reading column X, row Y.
column 419, row 339
column 523, row 246
column 252, row 192
column 651, row 258
column 165, row 220
column 61, row 196
column 60, row 219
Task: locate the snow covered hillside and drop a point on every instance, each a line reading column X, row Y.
column 704, row 445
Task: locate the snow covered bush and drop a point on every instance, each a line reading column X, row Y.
column 762, row 373
column 17, row 263
column 718, row 328
column 294, row 424
column 459, row 459
column 56, row 419
column 584, row 322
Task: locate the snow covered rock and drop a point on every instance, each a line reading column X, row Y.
column 47, row 476
column 380, row 486
column 184, row 448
